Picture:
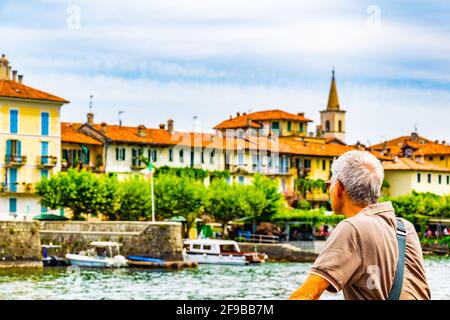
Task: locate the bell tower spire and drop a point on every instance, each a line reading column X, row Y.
column 333, row 100
column 333, row 118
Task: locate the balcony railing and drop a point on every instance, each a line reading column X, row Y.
column 317, row 196
column 47, row 161
column 15, row 160
column 17, row 187
column 138, row 166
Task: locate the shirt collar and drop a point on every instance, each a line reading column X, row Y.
column 377, row 208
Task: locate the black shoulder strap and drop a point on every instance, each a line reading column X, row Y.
column 398, row 280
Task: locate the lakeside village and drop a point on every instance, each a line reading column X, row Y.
column 82, row 188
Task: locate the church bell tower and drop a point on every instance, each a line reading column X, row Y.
column 332, row 118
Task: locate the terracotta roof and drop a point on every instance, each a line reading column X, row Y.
column 14, row 89
column 407, row 164
column 251, row 119
column 296, row 146
column 433, row 149
column 420, row 145
column 419, row 140
column 69, row 134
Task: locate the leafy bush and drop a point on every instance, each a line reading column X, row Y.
column 81, row 191
column 314, row 216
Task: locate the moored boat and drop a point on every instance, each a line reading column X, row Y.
column 152, row 263
column 51, row 256
column 211, row 251
column 101, row 254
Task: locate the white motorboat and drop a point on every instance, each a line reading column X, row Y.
column 210, row 251
column 101, row 254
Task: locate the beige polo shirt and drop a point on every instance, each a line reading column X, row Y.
column 360, row 257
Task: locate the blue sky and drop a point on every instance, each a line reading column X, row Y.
column 179, row 58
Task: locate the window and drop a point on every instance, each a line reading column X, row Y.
column 327, row 126
column 206, row 247
column 324, row 164
column 418, row 178
column 153, row 155
column 307, row 163
column 301, row 127
column 136, row 160
column 196, row 246
column 340, row 125
column 120, row 154
column 430, row 158
column 448, row 179
column 44, row 173
column 170, row 155
column 440, row 179
column 203, row 156
column 45, row 123
column 429, row 178
column 13, row 205
column 13, row 151
column 289, row 126
column 181, row 154
column 241, row 179
column 44, row 152
column 12, row 179
column 211, row 156
column 240, row 159
column 43, row 209
column 442, row 158
column 276, row 126
column 13, row 121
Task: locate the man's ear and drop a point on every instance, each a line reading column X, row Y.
column 339, row 189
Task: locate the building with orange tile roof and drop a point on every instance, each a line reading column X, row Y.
column 30, row 144
column 405, row 175
column 80, row 150
column 416, row 147
column 265, row 122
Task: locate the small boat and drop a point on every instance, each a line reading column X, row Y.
column 101, row 254
column 210, row 251
column 144, row 259
column 51, row 256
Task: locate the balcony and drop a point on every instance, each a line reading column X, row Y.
column 317, row 196
column 17, row 188
column 138, row 166
column 15, row 160
column 303, row 172
column 47, row 161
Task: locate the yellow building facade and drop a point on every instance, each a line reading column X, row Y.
column 30, row 143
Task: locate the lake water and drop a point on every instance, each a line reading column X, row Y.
column 267, row 281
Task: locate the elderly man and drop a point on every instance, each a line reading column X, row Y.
column 370, row 255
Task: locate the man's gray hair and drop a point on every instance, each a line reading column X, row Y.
column 361, row 174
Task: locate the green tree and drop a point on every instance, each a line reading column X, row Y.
column 227, row 202
column 136, row 200
column 274, row 199
column 179, row 196
column 81, row 191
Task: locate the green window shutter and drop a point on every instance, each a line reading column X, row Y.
column 19, row 148
column 12, row 205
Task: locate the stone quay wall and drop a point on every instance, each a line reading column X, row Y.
column 280, row 252
column 159, row 240
column 20, row 244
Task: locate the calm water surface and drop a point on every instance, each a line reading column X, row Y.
column 268, row 281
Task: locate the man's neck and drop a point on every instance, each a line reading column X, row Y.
column 351, row 210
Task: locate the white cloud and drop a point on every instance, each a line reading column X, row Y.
column 179, row 58
column 374, row 113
